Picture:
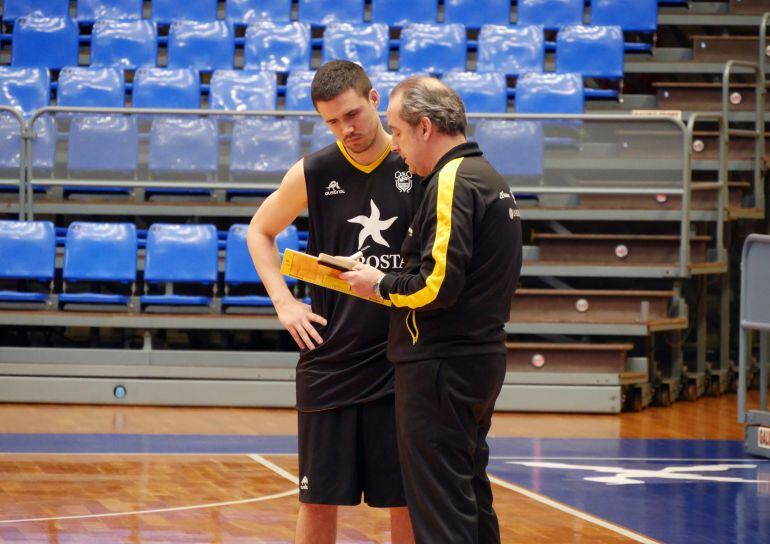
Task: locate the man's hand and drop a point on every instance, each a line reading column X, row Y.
column 362, row 279
column 297, row 317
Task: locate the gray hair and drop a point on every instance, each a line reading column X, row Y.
column 423, row 96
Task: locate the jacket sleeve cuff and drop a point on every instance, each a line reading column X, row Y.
column 386, row 284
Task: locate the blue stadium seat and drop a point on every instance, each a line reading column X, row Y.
column 46, row 42
column 91, row 87
column 298, row 90
column 166, row 11
column 243, row 90
column 592, row 51
column 13, row 9
column 468, row 12
column 43, row 146
column 321, row 137
column 255, row 11
column 95, row 10
column 550, row 14
column 384, row 82
column 99, row 253
column 365, row 44
column 434, row 49
column 481, row 92
column 126, row 44
column 264, row 146
column 103, row 143
column 180, row 254
column 239, row 268
column 280, row 47
column 323, row 12
column 26, row 89
column 183, row 146
column 33, row 246
column 401, row 12
column 166, row 88
column 512, row 50
column 204, row 46
column 549, row 93
column 515, row 148
column 636, row 16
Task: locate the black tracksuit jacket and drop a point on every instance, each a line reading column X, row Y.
column 462, row 263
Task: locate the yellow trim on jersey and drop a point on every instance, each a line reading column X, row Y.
column 446, row 187
column 414, row 332
column 365, row 168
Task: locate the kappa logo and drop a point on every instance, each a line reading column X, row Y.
column 404, row 181
column 304, row 485
column 334, row 189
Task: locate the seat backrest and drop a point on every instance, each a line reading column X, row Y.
column 515, row 148
column 126, row 44
column 13, row 9
column 43, row 144
column 468, row 13
column 254, row 11
column 26, row 89
column 100, row 252
column 481, row 92
column 264, row 145
column 322, row 136
column 636, row 16
column 365, row 44
column 592, row 51
column 94, row 10
column 550, row 14
column 512, row 50
column 103, row 143
column 549, row 93
column 166, row 88
column 33, row 246
column 384, row 82
column 203, row 45
column 239, row 268
column 183, row 145
column 91, row 87
column 323, row 12
column 166, row 11
column 46, row 42
column 433, row 49
column 277, row 46
column 243, row 90
column 298, row 90
column 181, row 253
column 401, row 12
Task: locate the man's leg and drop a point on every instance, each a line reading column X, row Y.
column 401, row 526
column 489, row 529
column 316, row 524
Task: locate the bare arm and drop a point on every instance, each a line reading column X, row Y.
column 275, row 214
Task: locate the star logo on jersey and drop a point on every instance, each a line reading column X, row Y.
column 334, row 189
column 404, row 181
column 372, row 226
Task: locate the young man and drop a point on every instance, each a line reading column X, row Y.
column 360, row 197
column 451, row 301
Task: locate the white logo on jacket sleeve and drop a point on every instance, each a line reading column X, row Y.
column 334, row 189
column 404, row 181
column 372, row 226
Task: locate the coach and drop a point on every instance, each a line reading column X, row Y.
column 450, row 303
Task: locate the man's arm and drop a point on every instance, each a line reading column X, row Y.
column 275, row 214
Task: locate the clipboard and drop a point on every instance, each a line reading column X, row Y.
column 323, row 270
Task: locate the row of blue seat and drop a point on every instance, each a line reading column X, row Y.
column 638, row 15
column 594, row 51
column 97, row 253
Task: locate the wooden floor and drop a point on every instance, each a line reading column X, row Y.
column 239, row 498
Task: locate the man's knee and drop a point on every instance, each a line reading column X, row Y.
column 319, row 510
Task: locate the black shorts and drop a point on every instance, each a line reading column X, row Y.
column 348, row 451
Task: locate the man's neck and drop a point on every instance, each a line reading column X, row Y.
column 375, row 151
column 443, row 145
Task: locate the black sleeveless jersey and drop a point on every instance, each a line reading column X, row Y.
column 350, row 207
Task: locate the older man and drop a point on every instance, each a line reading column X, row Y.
column 450, row 302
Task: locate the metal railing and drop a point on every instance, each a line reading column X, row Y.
column 19, row 183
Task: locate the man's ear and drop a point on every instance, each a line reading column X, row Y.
column 374, row 96
column 426, row 128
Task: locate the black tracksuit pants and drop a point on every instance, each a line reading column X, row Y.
column 443, row 414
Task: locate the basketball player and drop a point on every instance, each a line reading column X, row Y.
column 360, row 196
column 450, row 304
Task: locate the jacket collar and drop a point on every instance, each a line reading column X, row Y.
column 468, row 149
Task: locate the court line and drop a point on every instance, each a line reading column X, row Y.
column 572, row 511
column 158, row 510
column 275, row 468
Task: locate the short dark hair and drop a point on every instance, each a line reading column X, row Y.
column 423, row 96
column 337, row 76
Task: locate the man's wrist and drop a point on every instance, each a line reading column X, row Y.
column 376, row 287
